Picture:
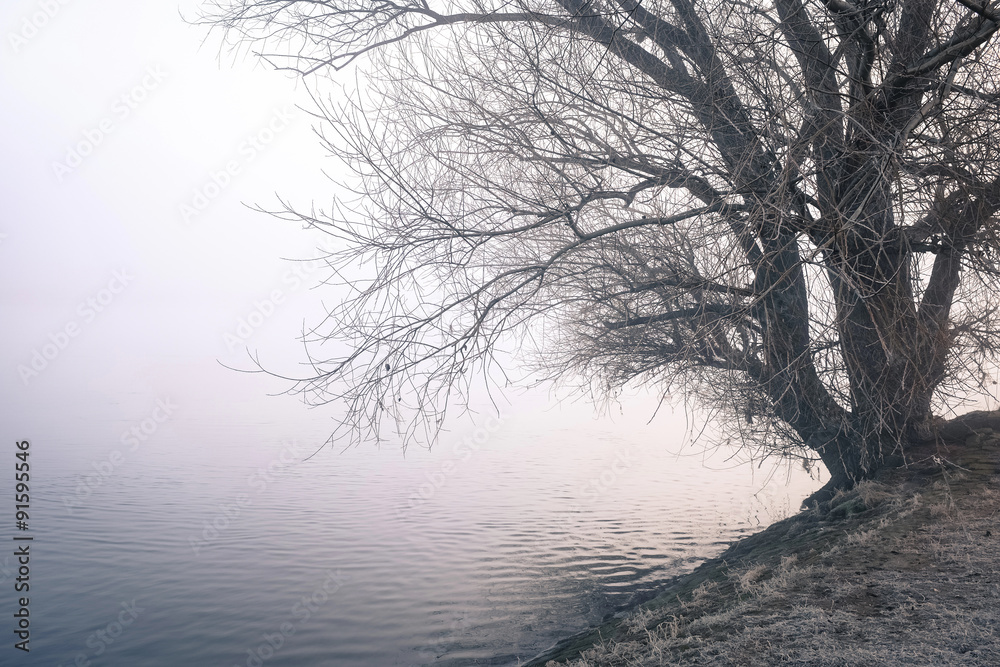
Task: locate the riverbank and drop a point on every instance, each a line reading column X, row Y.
column 904, row 570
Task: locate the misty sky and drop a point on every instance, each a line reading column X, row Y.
column 130, row 148
column 131, row 263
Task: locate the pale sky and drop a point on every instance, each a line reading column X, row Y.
column 113, row 121
column 129, row 270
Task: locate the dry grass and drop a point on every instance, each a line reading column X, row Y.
column 890, row 574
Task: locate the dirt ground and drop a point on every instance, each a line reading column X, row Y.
column 900, row 571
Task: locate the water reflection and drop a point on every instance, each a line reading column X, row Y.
column 461, row 555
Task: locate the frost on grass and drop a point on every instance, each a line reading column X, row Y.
column 907, row 579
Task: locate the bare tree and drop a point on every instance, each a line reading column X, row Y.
column 787, row 208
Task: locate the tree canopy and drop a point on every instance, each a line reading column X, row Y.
column 787, row 208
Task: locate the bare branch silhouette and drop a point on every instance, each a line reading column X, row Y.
column 787, row 208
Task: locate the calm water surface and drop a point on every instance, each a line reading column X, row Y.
column 229, row 550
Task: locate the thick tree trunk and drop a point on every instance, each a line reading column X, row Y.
column 853, row 453
column 876, row 319
column 891, row 371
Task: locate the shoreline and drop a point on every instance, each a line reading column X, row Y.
column 901, row 570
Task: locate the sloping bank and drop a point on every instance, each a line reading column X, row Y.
column 900, row 571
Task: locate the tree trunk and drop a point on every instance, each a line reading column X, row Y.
column 853, row 453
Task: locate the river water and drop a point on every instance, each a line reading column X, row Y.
column 184, row 529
